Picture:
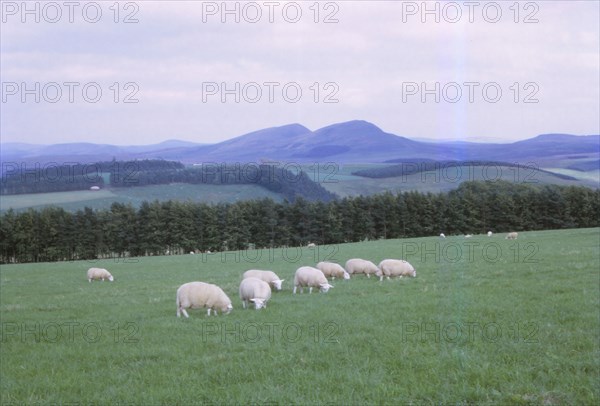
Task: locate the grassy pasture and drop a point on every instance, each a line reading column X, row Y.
column 336, row 178
column 486, row 321
column 102, row 199
column 339, row 178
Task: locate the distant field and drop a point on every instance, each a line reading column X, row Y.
column 334, row 177
column 342, row 182
column 486, row 321
column 104, row 198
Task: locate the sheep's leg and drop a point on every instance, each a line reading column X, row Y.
column 310, row 289
column 185, row 313
column 294, row 292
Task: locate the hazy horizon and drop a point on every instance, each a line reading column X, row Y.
column 139, row 73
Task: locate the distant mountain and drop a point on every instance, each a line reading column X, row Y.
column 348, row 142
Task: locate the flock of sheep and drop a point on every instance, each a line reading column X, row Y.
column 256, row 284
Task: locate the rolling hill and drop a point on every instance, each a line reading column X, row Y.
column 348, row 142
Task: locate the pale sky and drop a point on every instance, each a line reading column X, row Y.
column 501, row 71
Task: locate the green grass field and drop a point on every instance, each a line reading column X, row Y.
column 486, row 321
column 103, row 199
column 334, row 177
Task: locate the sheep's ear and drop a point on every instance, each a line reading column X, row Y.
column 282, row 280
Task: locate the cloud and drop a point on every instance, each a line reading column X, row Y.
column 368, row 56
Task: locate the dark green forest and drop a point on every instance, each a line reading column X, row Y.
column 157, row 228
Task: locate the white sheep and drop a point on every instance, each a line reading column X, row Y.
column 311, row 277
column 511, row 236
column 194, row 295
column 442, row 235
column 357, row 265
column 468, row 236
column 311, row 245
column 99, row 274
column 395, row 267
column 256, row 291
column 489, row 233
column 332, row 270
column 268, row 276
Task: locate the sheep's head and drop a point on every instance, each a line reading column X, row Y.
column 111, row 278
column 277, row 283
column 379, row 273
column 346, row 275
column 324, row 287
column 259, row 303
column 228, row 308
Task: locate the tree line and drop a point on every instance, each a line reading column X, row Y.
column 158, row 228
column 288, row 180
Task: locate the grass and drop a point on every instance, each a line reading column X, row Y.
column 486, row 321
column 103, row 199
column 334, row 177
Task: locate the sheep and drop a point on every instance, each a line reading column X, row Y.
column 357, row 265
column 311, row 245
column 256, row 291
column 331, row 269
column 511, row 236
column 468, row 236
column 99, row 273
column 395, row 267
column 193, row 295
column 311, row 277
column 442, row 235
column 268, row 276
column 489, row 233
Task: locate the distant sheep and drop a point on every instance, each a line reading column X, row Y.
column 468, row 236
column 256, row 291
column 311, row 277
column 99, row 274
column 311, row 245
column 268, row 276
column 194, row 295
column 357, row 265
column 332, row 270
column 442, row 235
column 489, row 233
column 511, row 236
column 395, row 267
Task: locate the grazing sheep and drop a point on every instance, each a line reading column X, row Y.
column 442, row 235
column 489, row 233
column 512, row 236
column 99, row 273
column 395, row 267
column 256, row 291
column 193, row 295
column 311, row 277
column 357, row 265
column 311, row 245
column 268, row 276
column 333, row 270
column 468, row 236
